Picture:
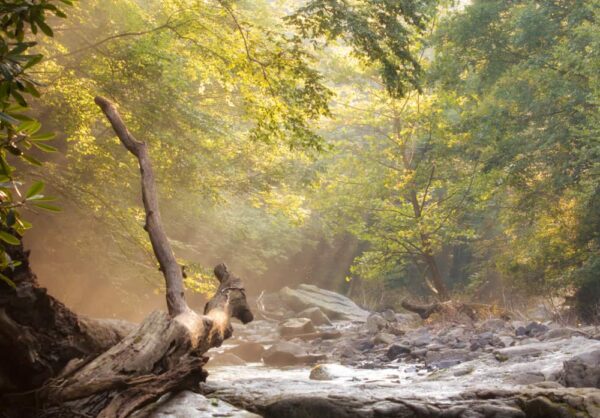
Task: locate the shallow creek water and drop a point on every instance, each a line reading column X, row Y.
column 520, row 365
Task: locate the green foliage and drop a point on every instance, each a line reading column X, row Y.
column 498, row 149
column 528, row 73
column 381, row 32
column 228, row 103
column 19, row 133
column 457, row 143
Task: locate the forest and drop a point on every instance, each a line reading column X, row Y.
column 409, row 156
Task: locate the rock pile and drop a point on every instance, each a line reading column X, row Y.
column 389, row 364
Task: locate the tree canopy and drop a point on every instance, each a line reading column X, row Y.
column 454, row 144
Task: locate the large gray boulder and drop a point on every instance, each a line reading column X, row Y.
column 334, row 305
column 582, row 371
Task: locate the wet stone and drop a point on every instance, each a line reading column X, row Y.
column 316, row 315
column 582, row 370
column 296, row 326
column 397, row 350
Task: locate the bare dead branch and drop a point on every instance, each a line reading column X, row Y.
column 160, row 243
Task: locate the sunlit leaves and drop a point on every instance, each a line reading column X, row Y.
column 381, row 33
column 19, row 133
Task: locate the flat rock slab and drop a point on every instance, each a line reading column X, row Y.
column 334, row 305
column 480, row 388
column 193, row 405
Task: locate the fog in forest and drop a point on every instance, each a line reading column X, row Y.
column 384, row 185
column 299, row 208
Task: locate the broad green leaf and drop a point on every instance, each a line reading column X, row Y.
column 47, row 207
column 35, row 189
column 8, row 238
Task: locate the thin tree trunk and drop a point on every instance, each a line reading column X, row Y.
column 160, row 243
column 427, row 255
column 436, row 277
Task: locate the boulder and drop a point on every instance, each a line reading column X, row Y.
column 334, row 305
column 383, row 338
column 320, row 372
column 286, row 353
column 330, row 372
column 447, row 358
column 419, row 337
column 452, row 334
column 562, row 332
column 494, row 325
column 389, row 315
column 397, row 350
column 582, row 370
column 533, row 329
column 484, row 339
column 363, row 344
column 225, row 359
column 375, row 323
column 248, row 351
column 296, row 326
column 316, row 315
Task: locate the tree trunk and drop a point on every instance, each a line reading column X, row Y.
column 436, row 276
column 39, row 335
column 158, row 238
column 427, row 255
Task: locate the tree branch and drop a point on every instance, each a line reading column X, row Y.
column 160, row 243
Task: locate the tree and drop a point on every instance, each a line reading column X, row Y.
column 381, row 33
column 227, row 103
column 398, row 174
column 528, row 73
column 19, row 133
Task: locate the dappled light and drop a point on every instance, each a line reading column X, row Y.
column 299, row 208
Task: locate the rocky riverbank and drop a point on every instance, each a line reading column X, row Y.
column 317, row 354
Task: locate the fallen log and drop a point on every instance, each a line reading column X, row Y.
column 423, row 310
column 163, row 354
column 474, row 311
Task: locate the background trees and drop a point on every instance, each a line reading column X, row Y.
column 429, row 148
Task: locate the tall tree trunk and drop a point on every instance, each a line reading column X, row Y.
column 427, row 254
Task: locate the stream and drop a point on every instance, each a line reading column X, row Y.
column 398, row 367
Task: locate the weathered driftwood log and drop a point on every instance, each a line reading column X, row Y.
column 158, row 238
column 163, row 354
